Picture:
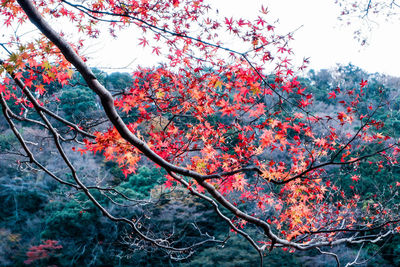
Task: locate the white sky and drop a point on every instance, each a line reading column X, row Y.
column 322, row 37
column 328, row 42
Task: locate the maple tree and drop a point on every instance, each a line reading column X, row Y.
column 235, row 128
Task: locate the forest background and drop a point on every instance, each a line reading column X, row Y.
column 292, row 161
column 35, row 209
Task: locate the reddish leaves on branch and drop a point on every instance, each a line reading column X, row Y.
column 213, row 110
column 42, row 251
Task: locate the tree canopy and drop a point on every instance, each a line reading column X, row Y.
column 283, row 161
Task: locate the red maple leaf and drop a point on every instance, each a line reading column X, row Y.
column 363, row 83
column 332, row 95
column 156, row 50
column 355, row 177
column 143, row 42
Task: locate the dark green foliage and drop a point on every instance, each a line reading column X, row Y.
column 20, row 203
column 78, row 103
column 238, row 252
column 7, row 139
column 118, row 81
column 143, row 181
column 68, row 219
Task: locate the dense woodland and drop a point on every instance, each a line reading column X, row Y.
column 38, row 213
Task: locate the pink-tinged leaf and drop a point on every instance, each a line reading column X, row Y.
column 156, row 50
column 363, row 83
column 143, row 42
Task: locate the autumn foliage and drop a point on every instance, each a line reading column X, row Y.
column 236, row 126
column 42, row 251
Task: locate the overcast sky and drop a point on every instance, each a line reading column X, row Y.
column 322, row 37
column 327, row 42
